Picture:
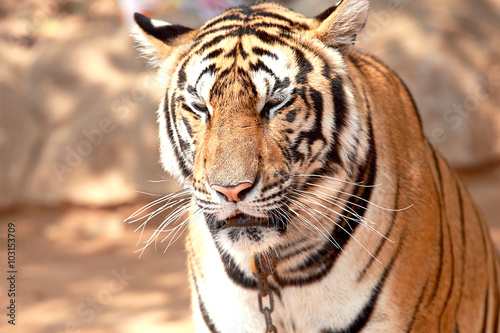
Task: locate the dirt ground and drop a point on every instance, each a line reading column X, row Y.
column 77, row 269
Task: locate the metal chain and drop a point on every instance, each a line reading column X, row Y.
column 262, row 272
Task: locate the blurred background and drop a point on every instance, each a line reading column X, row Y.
column 78, row 145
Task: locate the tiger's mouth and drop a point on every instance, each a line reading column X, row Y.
column 243, row 232
column 241, row 220
column 244, row 221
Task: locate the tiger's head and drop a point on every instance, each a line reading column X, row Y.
column 258, row 109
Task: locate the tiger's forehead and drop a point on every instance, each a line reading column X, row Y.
column 245, row 32
column 249, row 54
column 231, row 54
column 247, row 19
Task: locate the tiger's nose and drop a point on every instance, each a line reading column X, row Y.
column 232, row 193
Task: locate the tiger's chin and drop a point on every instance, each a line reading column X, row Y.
column 248, row 239
column 247, row 234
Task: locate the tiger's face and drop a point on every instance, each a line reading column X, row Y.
column 257, row 108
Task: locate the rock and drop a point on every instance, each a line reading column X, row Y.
column 86, row 133
column 18, row 127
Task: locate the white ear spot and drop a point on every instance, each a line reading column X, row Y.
column 159, row 23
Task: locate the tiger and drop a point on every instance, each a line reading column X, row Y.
column 300, row 153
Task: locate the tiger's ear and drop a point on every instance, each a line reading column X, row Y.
column 157, row 39
column 339, row 25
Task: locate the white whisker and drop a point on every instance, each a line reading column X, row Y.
column 168, row 198
column 309, row 210
column 363, row 199
column 349, row 233
column 323, row 233
column 360, row 219
column 330, row 199
column 335, row 179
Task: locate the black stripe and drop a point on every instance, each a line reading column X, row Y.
column 209, row 69
column 290, row 116
column 261, row 66
column 269, row 25
column 246, row 13
column 281, row 84
column 238, row 276
column 279, row 182
column 439, row 190
column 340, row 109
column 464, row 246
column 365, row 315
column 170, row 118
column 230, row 17
column 262, row 52
column 297, row 251
column 314, row 102
column 324, row 258
column 485, row 310
column 210, row 43
column 204, row 313
column 265, row 37
column 385, row 238
column 213, row 54
column 302, row 135
column 242, row 51
column 188, row 126
column 496, row 311
column 305, row 66
column 231, row 54
column 248, row 82
column 219, row 85
column 279, row 17
column 417, row 306
column 223, row 28
column 452, row 269
column 181, row 77
column 316, row 132
column 481, row 225
column 485, row 241
column 192, row 90
column 206, row 318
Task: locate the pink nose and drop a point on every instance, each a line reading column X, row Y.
column 231, row 192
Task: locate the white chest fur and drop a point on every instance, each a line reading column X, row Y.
column 332, row 304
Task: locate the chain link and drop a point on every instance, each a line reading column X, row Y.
column 263, row 270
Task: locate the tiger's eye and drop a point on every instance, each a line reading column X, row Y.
column 273, row 101
column 268, row 106
column 200, row 107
